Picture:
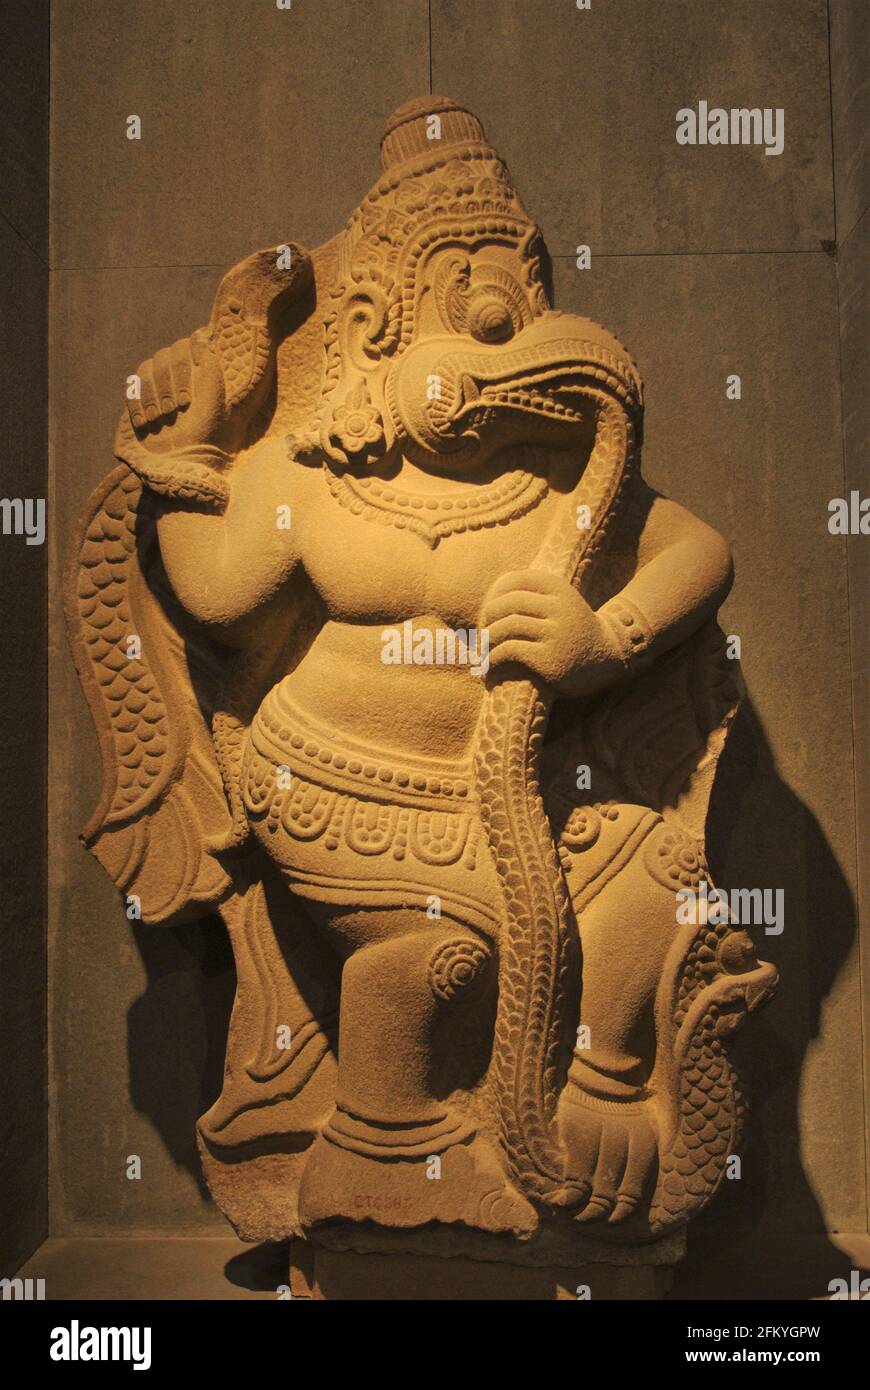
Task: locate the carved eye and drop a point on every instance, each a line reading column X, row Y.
column 490, row 319
column 496, row 307
column 737, row 953
column 485, row 302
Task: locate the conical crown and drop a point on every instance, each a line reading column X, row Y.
column 437, row 172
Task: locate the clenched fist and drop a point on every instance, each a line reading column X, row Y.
column 541, row 622
column 206, row 389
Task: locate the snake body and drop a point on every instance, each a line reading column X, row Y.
column 538, row 941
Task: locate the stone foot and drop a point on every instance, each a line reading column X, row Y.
column 611, row 1144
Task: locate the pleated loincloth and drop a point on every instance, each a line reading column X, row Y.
column 353, row 824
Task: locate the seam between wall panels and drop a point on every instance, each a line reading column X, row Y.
column 859, row 904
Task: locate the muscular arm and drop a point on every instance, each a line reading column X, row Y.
column 684, row 574
column 224, row 566
column 223, row 531
column 540, row 621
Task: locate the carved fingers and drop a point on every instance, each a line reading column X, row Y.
column 540, row 621
column 166, row 382
column 206, row 389
column 521, row 614
column 616, row 1148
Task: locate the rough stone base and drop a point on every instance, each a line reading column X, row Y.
column 332, row 1274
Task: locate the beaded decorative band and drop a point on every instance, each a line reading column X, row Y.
column 190, row 474
column 283, row 734
column 631, row 629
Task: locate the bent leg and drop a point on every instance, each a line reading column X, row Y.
column 607, row 1114
column 396, row 1150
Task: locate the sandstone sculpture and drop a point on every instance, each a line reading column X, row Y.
column 399, row 665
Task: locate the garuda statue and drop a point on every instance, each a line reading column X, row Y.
column 400, row 667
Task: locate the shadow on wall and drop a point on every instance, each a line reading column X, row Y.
column 763, row 1237
column 177, row 1031
column 740, row 1247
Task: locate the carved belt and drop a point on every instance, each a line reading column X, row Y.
column 285, row 735
column 405, row 831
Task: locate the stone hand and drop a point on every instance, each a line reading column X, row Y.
column 206, row 389
column 540, row 621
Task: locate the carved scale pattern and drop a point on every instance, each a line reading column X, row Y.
column 137, row 715
column 536, row 944
column 161, row 798
column 710, row 1103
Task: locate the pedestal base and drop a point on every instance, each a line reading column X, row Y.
column 339, row 1274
